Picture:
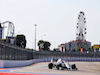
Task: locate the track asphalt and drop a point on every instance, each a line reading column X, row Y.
column 84, row 68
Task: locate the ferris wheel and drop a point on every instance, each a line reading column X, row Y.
column 81, row 27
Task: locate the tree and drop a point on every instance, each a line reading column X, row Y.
column 92, row 48
column 89, row 49
column 47, row 45
column 21, row 41
column 41, row 44
column 44, row 45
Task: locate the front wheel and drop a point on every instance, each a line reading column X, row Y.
column 50, row 65
column 74, row 67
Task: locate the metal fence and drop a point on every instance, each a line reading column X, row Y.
column 12, row 52
column 54, row 54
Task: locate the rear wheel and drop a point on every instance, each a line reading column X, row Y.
column 50, row 65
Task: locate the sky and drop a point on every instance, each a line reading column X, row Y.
column 56, row 19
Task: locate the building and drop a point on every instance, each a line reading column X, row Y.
column 75, row 45
column 96, row 47
column 62, row 47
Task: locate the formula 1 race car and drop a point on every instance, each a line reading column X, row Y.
column 61, row 65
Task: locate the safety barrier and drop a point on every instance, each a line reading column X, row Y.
column 83, row 59
column 10, row 63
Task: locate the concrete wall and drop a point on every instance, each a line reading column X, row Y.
column 11, row 63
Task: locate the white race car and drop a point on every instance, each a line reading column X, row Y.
column 61, row 65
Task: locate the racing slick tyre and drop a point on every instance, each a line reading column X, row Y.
column 74, row 67
column 50, row 65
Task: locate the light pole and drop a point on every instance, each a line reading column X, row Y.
column 35, row 36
